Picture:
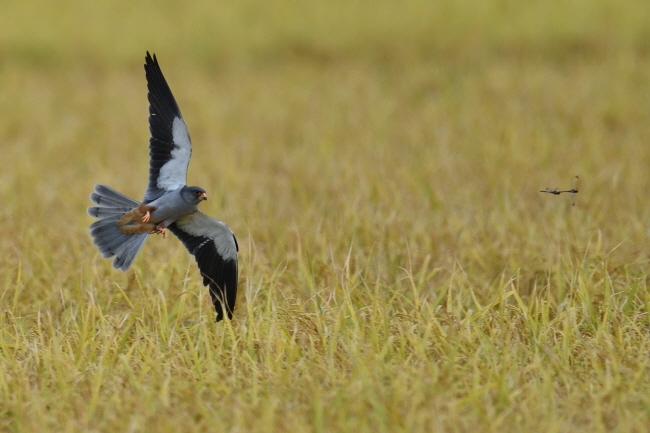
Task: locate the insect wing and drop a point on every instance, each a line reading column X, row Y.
column 574, row 190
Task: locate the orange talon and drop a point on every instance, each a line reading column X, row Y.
column 146, row 217
column 160, row 230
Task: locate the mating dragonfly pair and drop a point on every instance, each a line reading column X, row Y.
column 572, row 192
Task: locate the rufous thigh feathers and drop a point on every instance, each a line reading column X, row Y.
column 134, row 221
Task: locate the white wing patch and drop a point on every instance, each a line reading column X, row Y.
column 199, row 224
column 173, row 174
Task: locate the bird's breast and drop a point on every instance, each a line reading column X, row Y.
column 169, row 208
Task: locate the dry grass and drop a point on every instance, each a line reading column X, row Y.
column 380, row 164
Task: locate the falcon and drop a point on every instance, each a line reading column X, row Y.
column 124, row 224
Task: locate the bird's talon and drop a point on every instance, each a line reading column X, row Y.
column 160, row 230
column 146, row 217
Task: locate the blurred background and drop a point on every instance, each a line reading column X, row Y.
column 380, row 163
column 419, row 130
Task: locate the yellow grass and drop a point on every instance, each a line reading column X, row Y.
column 380, row 163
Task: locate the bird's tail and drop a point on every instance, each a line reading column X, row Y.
column 110, row 239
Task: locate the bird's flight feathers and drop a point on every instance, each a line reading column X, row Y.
column 170, row 146
column 215, row 248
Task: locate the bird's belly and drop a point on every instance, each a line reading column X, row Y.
column 169, row 214
column 164, row 214
column 169, row 208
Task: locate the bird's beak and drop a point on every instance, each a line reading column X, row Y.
column 203, row 196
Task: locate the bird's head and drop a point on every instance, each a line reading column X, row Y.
column 193, row 194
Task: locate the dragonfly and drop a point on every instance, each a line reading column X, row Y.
column 572, row 192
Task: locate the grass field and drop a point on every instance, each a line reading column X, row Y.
column 380, row 164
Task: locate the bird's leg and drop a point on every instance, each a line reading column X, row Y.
column 143, row 211
column 148, row 209
column 160, row 230
column 132, row 229
column 137, row 220
column 127, row 218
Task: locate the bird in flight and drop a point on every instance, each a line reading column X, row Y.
column 124, row 224
column 573, row 191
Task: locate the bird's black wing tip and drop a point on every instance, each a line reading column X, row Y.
column 220, row 316
column 150, row 60
column 216, row 271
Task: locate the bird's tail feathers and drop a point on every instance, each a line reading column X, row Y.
column 106, row 234
column 106, row 197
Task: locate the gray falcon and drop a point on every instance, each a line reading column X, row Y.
column 124, row 224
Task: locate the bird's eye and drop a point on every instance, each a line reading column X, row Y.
column 197, row 193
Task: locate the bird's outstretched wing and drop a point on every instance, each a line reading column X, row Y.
column 215, row 248
column 170, row 146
